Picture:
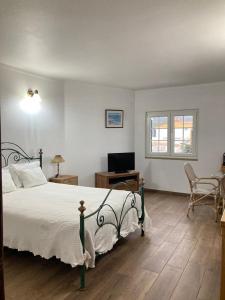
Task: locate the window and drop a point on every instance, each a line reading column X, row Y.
column 172, row 134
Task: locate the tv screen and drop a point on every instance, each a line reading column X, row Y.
column 121, row 162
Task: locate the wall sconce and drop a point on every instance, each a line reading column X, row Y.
column 32, row 102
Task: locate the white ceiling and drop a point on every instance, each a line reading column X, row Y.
column 127, row 43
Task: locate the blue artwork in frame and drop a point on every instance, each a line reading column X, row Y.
column 114, row 118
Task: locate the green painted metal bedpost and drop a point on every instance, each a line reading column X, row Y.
column 82, row 238
column 41, row 157
column 142, row 192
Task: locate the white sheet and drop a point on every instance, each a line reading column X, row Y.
column 45, row 221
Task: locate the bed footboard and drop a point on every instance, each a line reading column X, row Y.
column 118, row 219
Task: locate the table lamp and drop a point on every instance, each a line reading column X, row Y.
column 58, row 159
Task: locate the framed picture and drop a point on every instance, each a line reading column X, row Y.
column 114, row 118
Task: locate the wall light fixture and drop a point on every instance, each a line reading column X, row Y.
column 32, row 102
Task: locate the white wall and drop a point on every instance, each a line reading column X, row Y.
column 79, row 133
column 72, row 118
column 87, row 139
column 43, row 130
column 210, row 99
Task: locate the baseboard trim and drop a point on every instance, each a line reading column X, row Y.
column 166, row 192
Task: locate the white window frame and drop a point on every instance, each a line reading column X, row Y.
column 149, row 115
column 170, row 154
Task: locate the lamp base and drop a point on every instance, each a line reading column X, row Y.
column 57, row 175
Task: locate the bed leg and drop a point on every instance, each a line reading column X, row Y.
column 82, row 238
column 142, row 193
column 82, row 277
column 142, row 229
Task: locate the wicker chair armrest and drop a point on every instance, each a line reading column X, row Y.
column 218, row 178
column 212, row 178
column 206, row 183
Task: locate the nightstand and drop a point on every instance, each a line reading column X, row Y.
column 65, row 179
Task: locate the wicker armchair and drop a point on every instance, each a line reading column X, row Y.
column 203, row 188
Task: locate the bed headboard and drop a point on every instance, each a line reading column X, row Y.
column 12, row 153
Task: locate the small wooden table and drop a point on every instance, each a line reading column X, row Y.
column 65, row 179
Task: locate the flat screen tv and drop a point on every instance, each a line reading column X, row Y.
column 121, row 162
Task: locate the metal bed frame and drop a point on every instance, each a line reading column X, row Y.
column 11, row 152
column 100, row 218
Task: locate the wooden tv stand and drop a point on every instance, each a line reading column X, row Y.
column 108, row 179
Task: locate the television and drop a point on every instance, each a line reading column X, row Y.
column 121, row 162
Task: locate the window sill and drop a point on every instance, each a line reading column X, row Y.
column 172, row 158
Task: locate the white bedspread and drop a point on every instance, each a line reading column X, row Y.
column 45, row 221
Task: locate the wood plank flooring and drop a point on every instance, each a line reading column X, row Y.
column 179, row 260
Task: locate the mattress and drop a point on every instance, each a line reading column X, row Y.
column 45, row 221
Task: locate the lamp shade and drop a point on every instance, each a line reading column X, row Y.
column 58, row 159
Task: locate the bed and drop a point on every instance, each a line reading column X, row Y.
column 72, row 223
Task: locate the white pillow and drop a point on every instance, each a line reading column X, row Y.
column 7, row 182
column 32, row 177
column 15, row 168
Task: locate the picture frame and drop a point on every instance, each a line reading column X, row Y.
column 114, row 118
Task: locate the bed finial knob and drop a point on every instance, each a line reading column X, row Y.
column 142, row 182
column 82, row 208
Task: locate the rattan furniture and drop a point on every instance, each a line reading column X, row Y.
column 203, row 188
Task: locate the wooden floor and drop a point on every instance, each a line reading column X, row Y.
column 178, row 260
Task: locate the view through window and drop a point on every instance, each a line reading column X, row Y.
column 171, row 134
